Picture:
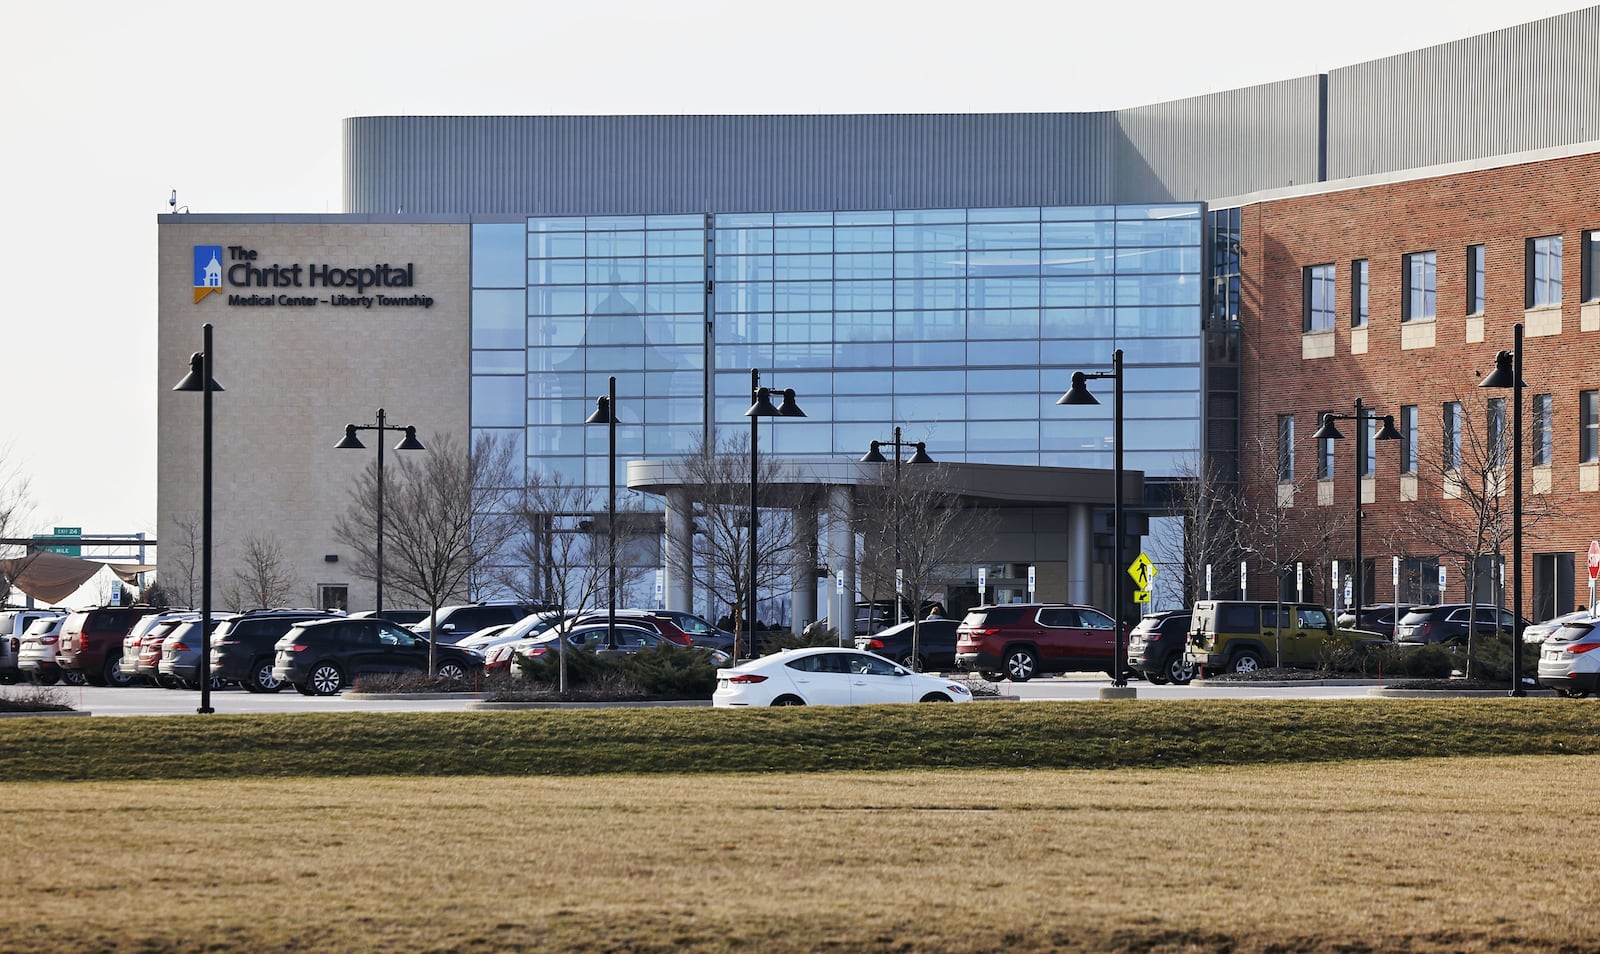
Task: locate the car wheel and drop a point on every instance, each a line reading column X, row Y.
column 1156, row 678
column 1021, row 665
column 73, row 677
column 40, row 677
column 112, row 672
column 304, row 689
column 1247, row 660
column 935, row 697
column 217, row 682
column 788, row 701
column 1577, row 694
column 261, row 678
column 911, row 662
column 7, row 678
column 326, row 679
column 989, row 676
column 453, row 671
column 1180, row 671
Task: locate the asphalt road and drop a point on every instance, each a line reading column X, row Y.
column 148, row 700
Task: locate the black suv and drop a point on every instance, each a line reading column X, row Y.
column 1156, row 648
column 1447, row 623
column 242, row 646
column 1375, row 619
column 321, row 656
column 456, row 623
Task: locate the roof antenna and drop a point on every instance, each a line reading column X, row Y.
column 172, row 202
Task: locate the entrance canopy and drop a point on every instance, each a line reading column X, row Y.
column 52, row 577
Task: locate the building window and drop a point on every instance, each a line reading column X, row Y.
column 1591, row 266
column 1319, row 288
column 1543, row 434
column 1421, row 277
column 1408, row 439
column 1589, row 426
column 1285, row 448
column 1370, row 460
column 1358, row 293
column 1496, row 437
column 1452, row 435
column 1475, row 279
column 1544, row 271
column 1324, row 455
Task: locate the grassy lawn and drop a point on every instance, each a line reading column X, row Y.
column 1419, row 855
column 1238, row 827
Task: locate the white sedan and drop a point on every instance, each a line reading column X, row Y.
column 829, row 677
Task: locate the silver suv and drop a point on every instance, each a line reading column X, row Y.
column 13, row 624
column 36, row 656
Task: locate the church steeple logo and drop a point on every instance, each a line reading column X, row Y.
column 207, row 270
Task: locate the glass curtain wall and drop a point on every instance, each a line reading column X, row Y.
column 962, row 325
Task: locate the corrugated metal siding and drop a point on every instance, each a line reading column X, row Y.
column 1524, row 87
column 1221, row 144
column 665, row 164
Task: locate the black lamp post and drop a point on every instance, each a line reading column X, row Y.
column 1507, row 373
column 1079, row 394
column 874, row 455
column 200, row 379
column 352, row 442
column 605, row 412
column 761, row 407
column 1386, row 433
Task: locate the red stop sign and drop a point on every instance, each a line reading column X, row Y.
column 1594, row 559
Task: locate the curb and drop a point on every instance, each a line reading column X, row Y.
column 1288, row 683
column 391, row 696
column 1456, row 693
column 44, row 714
column 481, row 705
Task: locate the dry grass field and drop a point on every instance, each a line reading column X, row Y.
column 1465, row 854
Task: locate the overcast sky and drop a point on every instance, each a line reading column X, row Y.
column 110, row 106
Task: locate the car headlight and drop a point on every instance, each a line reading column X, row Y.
column 958, row 687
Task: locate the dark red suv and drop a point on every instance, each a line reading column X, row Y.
column 1023, row 640
column 91, row 642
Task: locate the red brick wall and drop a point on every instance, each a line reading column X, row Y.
column 1498, row 208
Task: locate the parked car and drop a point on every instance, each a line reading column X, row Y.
column 829, row 677
column 147, row 668
column 181, row 653
column 133, row 644
column 14, row 623
column 1245, row 635
column 701, row 633
column 91, row 641
column 1023, row 640
column 630, row 638
column 457, row 622
column 1375, row 619
column 1158, row 646
column 1447, row 623
column 524, row 634
column 36, row 654
column 322, row 656
column 1539, row 632
column 648, row 619
column 1568, row 659
column 243, row 646
column 486, row 637
column 936, row 644
column 405, row 617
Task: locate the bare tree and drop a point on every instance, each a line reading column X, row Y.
column 1281, row 521
column 1208, row 532
column 717, row 478
column 16, row 508
column 448, row 515
column 180, row 560
column 915, row 525
column 1464, row 500
column 263, row 580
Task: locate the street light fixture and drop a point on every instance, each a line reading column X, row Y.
column 1079, row 394
column 605, row 412
column 200, row 379
column 1507, row 373
column 761, row 407
column 874, row 455
column 352, row 442
column 1386, row 433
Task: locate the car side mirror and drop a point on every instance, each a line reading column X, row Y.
column 901, row 672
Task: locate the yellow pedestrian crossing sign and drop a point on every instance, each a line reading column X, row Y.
column 1143, row 573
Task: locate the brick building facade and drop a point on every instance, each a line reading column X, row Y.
column 1452, row 262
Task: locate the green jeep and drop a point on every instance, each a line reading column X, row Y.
column 1244, row 635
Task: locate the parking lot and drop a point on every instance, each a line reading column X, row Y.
column 148, row 700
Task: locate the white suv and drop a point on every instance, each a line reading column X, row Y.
column 14, row 624
column 36, row 656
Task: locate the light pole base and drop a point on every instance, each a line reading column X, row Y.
column 1119, row 692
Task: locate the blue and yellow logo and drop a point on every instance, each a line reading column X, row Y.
column 207, row 270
